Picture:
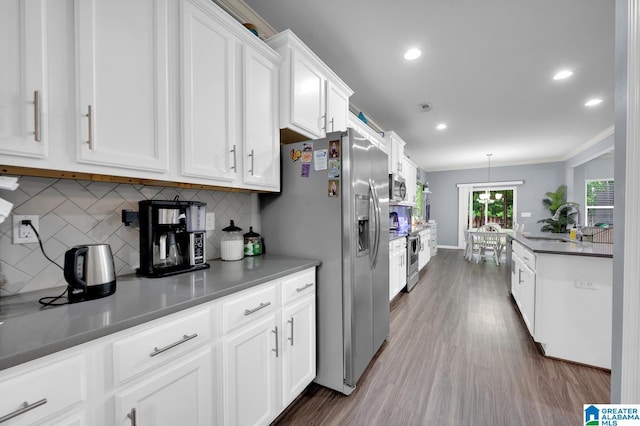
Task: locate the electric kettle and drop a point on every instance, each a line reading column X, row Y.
column 90, row 272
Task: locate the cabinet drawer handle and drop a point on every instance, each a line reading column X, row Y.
column 252, row 156
column 291, row 338
column 24, row 407
column 304, row 287
column 248, row 312
column 36, row 115
column 90, row 126
column 234, row 158
column 185, row 338
column 276, row 349
column 132, row 416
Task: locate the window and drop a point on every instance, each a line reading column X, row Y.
column 498, row 209
column 599, row 202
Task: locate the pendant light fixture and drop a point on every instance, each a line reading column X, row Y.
column 485, row 197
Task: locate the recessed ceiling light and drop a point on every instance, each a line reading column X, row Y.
column 441, row 126
column 593, row 102
column 561, row 75
column 413, row 53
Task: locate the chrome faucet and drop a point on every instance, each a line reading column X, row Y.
column 556, row 216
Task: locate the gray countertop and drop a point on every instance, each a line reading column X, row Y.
column 540, row 242
column 29, row 331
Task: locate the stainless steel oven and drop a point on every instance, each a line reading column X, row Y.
column 413, row 252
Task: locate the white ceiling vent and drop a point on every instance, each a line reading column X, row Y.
column 425, row 107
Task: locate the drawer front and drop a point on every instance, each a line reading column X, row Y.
column 299, row 285
column 46, row 389
column 242, row 308
column 527, row 256
column 160, row 341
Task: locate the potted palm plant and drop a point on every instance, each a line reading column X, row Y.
column 552, row 201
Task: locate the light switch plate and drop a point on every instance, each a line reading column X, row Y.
column 210, row 221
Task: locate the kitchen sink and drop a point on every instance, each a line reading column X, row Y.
column 544, row 238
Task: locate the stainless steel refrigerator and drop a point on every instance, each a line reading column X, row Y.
column 334, row 206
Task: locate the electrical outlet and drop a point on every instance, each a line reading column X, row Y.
column 23, row 234
column 587, row 285
column 211, row 221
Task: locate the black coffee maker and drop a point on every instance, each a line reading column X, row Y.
column 172, row 237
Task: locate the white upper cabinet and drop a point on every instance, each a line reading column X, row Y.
column 261, row 136
column 306, row 100
column 230, row 134
column 337, row 108
column 410, row 180
column 123, row 83
column 313, row 100
column 396, row 154
column 374, row 137
column 209, row 141
column 23, row 89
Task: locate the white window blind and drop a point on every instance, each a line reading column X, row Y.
column 599, row 202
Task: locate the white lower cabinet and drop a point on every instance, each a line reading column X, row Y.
column 298, row 348
column 238, row 360
column 268, row 360
column 523, row 284
column 178, row 394
column 397, row 266
column 250, row 360
column 425, row 248
column 52, row 390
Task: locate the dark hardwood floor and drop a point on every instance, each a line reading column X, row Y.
column 458, row 354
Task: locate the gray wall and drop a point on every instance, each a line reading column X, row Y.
column 538, row 179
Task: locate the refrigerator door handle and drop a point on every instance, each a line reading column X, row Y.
column 376, row 239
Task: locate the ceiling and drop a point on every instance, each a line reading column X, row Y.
column 486, row 68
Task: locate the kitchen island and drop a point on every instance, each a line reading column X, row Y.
column 206, row 347
column 563, row 289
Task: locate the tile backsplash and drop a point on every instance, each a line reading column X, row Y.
column 73, row 212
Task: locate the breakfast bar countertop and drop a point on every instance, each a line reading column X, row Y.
column 544, row 242
column 29, row 330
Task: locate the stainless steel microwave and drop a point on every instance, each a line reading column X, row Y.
column 397, row 188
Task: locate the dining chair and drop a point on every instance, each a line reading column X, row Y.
column 489, row 245
column 492, row 227
column 470, row 245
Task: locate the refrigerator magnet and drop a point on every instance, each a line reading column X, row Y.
column 334, row 149
column 334, row 168
column 320, row 159
column 333, row 188
column 306, row 169
column 307, row 152
column 295, row 154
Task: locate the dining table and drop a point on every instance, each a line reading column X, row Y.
column 480, row 240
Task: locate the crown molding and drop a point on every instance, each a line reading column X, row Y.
column 244, row 14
